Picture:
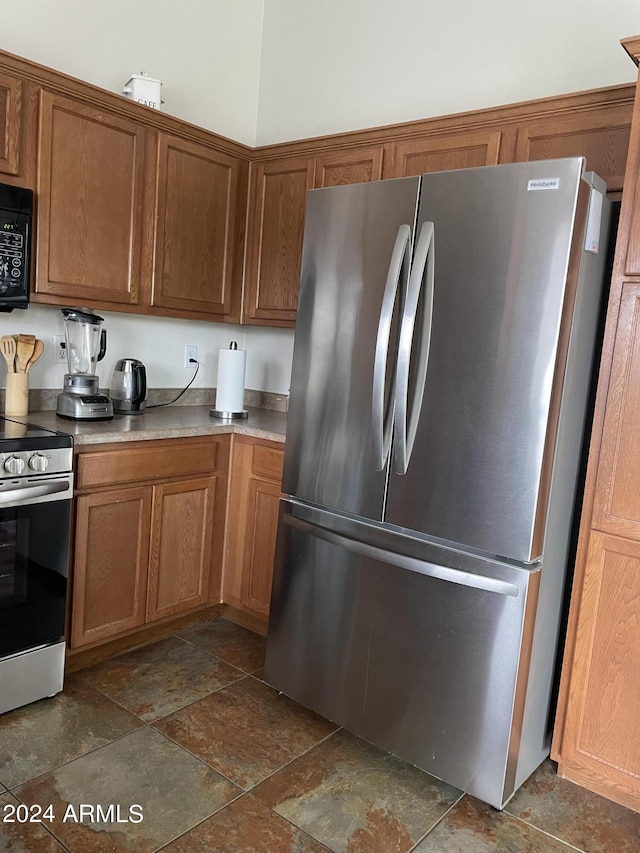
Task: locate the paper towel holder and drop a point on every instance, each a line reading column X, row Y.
column 227, row 415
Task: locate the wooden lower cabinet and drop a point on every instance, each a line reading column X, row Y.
column 111, row 556
column 152, row 549
column 599, row 746
column 180, row 546
column 256, row 474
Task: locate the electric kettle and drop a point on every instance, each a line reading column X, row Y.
column 129, row 387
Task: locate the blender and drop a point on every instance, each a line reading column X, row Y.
column 85, row 343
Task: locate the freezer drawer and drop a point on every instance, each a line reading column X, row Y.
column 426, row 658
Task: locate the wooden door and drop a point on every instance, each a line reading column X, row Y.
column 599, row 745
column 438, row 153
column 601, row 137
column 351, row 166
column 195, row 227
column 278, row 192
column 90, row 203
column 10, row 123
column 616, row 507
column 110, row 566
column 180, row 555
column 257, row 564
column 256, row 474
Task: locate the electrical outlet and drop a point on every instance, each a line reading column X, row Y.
column 190, row 352
column 59, row 349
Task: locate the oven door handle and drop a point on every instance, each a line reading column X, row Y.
column 22, row 494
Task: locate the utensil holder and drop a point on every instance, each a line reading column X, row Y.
column 16, row 400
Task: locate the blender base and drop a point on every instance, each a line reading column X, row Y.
column 81, row 400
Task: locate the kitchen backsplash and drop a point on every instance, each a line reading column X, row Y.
column 44, row 399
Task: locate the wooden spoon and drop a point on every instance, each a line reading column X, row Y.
column 38, row 349
column 8, row 349
column 24, row 351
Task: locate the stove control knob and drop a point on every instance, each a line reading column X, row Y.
column 14, row 465
column 38, row 462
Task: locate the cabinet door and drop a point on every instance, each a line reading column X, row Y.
column 437, row 154
column 180, row 555
column 617, row 505
column 257, row 565
column 195, row 227
column 600, row 740
column 349, row 167
column 110, row 568
column 278, row 193
column 90, row 203
column 602, row 137
column 10, row 123
column 253, row 523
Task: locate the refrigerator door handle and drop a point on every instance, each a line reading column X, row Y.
column 407, row 414
column 381, row 414
column 432, row 570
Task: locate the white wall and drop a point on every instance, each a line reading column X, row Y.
column 160, row 343
column 206, row 52
column 346, row 64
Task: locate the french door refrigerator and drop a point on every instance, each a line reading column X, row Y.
column 441, row 373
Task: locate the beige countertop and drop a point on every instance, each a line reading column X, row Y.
column 163, row 422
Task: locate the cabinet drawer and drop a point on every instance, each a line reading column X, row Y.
column 159, row 460
column 267, row 463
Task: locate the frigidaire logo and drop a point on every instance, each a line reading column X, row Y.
column 543, row 184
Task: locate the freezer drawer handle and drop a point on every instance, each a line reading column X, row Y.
column 407, row 414
column 432, row 570
column 382, row 416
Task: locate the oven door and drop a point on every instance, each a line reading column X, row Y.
column 35, row 515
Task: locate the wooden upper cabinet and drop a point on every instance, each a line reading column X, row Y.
column 278, row 197
column 90, row 202
column 617, row 503
column 440, row 153
column 10, row 123
column 278, row 191
column 602, row 137
column 351, row 166
column 632, row 255
column 195, row 227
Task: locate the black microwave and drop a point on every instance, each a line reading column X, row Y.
column 16, row 212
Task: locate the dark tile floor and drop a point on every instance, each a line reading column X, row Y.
column 180, row 747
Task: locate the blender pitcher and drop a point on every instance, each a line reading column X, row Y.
column 85, row 343
column 85, row 340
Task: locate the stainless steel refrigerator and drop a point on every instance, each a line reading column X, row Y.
column 441, row 373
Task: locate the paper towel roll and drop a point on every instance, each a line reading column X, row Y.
column 230, row 387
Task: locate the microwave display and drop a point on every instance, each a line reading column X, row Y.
column 15, row 236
